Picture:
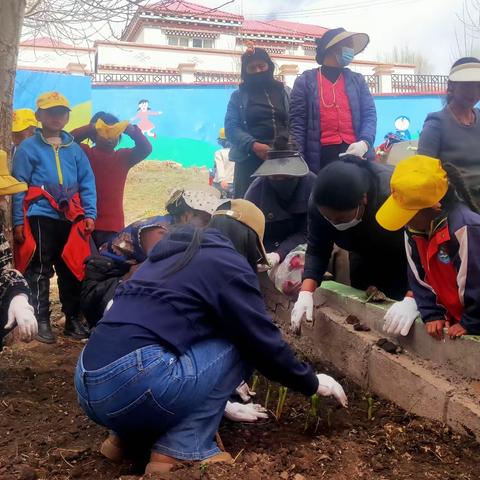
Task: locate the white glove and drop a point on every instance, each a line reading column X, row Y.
column 238, row 412
column 244, row 392
column 359, row 149
column 273, row 260
column 304, row 305
column 21, row 313
column 400, row 317
column 328, row 386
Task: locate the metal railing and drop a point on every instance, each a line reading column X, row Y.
column 146, row 78
column 216, row 77
column 402, row 83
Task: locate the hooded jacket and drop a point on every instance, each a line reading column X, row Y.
column 63, row 170
column 215, row 295
column 305, row 114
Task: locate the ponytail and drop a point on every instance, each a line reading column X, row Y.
column 458, row 189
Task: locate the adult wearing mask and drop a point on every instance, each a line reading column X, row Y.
column 256, row 115
column 281, row 189
column 345, row 198
column 182, row 333
column 453, row 134
column 332, row 110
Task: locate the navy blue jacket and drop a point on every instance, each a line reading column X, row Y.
column 216, row 295
column 305, row 114
column 236, row 129
column 285, row 225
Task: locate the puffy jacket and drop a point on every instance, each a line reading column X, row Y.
column 305, row 114
column 61, row 170
column 236, row 129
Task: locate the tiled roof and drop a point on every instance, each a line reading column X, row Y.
column 187, row 8
column 282, row 27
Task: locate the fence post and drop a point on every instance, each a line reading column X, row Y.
column 289, row 74
column 384, row 73
column 187, row 72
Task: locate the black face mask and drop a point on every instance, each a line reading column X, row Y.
column 284, row 189
column 259, row 80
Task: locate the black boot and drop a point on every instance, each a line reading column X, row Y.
column 75, row 328
column 45, row 334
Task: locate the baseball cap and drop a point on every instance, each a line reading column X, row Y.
column 52, row 99
column 250, row 215
column 22, row 119
column 418, row 182
column 8, row 184
column 465, row 72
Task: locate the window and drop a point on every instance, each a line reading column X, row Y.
column 178, row 41
column 202, row 43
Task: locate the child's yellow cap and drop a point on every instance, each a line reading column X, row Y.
column 110, row 132
column 22, row 119
column 8, row 184
column 52, row 99
column 418, row 182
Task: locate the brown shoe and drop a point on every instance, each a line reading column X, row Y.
column 160, row 463
column 113, row 448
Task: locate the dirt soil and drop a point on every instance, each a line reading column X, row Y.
column 44, row 434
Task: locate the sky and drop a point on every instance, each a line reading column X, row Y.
column 429, row 27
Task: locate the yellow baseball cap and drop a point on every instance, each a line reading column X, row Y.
column 417, row 182
column 8, row 184
column 52, row 99
column 22, row 119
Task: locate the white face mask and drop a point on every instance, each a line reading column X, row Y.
column 346, row 226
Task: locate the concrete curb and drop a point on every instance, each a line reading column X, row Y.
column 415, row 384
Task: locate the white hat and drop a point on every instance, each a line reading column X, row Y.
column 205, row 199
column 467, row 72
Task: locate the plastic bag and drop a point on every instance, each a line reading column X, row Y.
column 287, row 276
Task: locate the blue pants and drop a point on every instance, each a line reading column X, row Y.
column 176, row 401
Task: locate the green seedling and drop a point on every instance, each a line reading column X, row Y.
column 314, row 413
column 371, row 404
column 267, row 396
column 255, row 380
column 329, row 418
column 282, row 395
column 203, row 469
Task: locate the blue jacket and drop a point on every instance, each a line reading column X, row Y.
column 305, row 114
column 236, row 129
column 215, row 295
column 62, row 170
column 458, row 248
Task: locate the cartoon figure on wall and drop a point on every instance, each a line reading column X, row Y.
column 402, row 125
column 142, row 118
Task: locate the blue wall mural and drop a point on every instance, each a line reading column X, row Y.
column 182, row 122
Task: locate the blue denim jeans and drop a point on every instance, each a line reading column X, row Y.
column 176, row 401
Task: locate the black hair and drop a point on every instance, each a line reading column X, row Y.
column 178, row 207
column 244, row 239
column 108, row 118
column 457, row 190
column 342, row 184
column 144, row 100
column 450, row 85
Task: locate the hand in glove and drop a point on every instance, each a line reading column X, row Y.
column 273, row 260
column 400, row 317
column 303, row 306
column 244, row 392
column 359, row 149
column 238, row 412
column 328, row 386
column 21, row 313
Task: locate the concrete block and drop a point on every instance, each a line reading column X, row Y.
column 409, row 384
column 463, row 415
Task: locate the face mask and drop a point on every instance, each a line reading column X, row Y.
column 284, row 189
column 346, row 226
column 258, row 79
column 346, row 57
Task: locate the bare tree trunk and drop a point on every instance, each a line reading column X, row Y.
column 11, row 20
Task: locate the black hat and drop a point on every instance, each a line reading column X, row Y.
column 289, row 163
column 255, row 54
column 336, row 35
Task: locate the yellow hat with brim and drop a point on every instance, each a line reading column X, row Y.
column 8, row 184
column 359, row 41
column 52, row 99
column 23, row 118
column 467, row 72
column 110, row 132
column 417, row 183
column 250, row 215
